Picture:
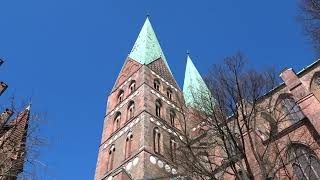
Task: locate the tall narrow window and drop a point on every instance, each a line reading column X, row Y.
column 128, row 145
column 132, row 86
column 169, row 93
column 172, row 118
column 173, row 149
column 158, row 108
column 131, row 110
column 315, row 85
column 120, row 96
column 116, row 122
column 156, row 140
column 157, row 84
column 304, row 162
column 111, row 157
column 291, row 109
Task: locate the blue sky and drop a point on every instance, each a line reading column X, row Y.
column 66, row 55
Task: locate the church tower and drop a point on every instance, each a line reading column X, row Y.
column 142, row 116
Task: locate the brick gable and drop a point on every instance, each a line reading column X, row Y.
column 129, row 67
column 159, row 67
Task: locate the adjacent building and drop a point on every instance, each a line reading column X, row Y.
column 13, row 139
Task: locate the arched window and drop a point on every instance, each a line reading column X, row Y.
column 304, row 162
column 172, row 118
column 111, row 158
column 128, row 145
column 158, row 108
column 117, row 121
column 291, row 109
column 173, row 149
column 120, row 96
column 131, row 110
column 156, row 84
column 169, row 93
column 156, row 140
column 315, row 85
column 132, row 86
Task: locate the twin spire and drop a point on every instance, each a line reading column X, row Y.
column 195, row 90
column 147, row 49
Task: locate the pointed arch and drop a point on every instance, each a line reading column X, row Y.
column 169, row 93
column 157, row 140
column 172, row 117
column 315, row 85
column 173, row 149
column 120, row 96
column 130, row 110
column 158, row 107
column 132, row 86
column 117, row 121
column 128, row 148
column 111, row 157
column 289, row 109
column 156, row 84
column 304, row 161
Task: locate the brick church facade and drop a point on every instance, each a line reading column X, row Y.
column 146, row 105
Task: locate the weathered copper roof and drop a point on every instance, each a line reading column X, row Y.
column 147, row 49
column 194, row 87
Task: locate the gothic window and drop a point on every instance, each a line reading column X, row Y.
column 156, row 140
column 132, row 86
column 116, row 122
column 158, row 108
column 169, row 93
column 156, row 84
column 128, row 147
column 291, row 109
column 131, row 110
column 305, row 163
column 111, row 158
column 120, row 96
column 173, row 148
column 315, row 85
column 172, row 118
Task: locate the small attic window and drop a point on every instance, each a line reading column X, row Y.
column 132, row 86
column 120, row 96
column 169, row 93
column 156, row 84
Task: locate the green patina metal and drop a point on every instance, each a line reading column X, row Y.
column 195, row 91
column 147, row 49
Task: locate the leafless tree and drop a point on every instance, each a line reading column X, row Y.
column 310, row 18
column 20, row 140
column 240, row 129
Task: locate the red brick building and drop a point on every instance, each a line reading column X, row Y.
column 13, row 137
column 146, row 104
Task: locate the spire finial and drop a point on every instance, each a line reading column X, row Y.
column 188, row 52
column 147, row 14
column 29, row 106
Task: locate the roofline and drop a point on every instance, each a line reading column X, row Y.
column 305, row 69
column 299, row 74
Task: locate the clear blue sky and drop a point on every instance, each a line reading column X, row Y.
column 66, row 55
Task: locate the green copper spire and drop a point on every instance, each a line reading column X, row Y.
column 195, row 90
column 147, row 49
